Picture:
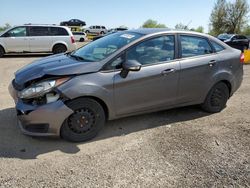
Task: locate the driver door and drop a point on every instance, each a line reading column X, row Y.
column 16, row 40
column 155, row 85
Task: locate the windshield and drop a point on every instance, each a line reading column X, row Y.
column 104, row 47
column 225, row 36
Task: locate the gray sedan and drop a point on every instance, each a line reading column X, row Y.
column 124, row 74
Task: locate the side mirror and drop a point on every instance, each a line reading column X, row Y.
column 130, row 65
column 6, row 35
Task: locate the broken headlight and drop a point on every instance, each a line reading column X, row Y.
column 41, row 88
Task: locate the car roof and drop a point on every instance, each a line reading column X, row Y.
column 151, row 31
column 41, row 25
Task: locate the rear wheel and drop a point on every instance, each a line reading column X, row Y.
column 217, row 98
column 85, row 122
column 81, row 40
column 1, row 51
column 87, row 31
column 59, row 48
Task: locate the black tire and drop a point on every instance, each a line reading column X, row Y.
column 59, row 48
column 2, row 52
column 81, row 40
column 87, row 31
column 86, row 121
column 102, row 33
column 216, row 99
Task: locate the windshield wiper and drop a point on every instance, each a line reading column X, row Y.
column 79, row 58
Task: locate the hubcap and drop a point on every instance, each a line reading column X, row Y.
column 81, row 121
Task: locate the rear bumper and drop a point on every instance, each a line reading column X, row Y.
column 237, row 79
column 43, row 120
column 72, row 47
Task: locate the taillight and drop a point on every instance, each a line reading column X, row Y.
column 242, row 58
column 72, row 39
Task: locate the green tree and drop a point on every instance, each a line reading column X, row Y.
column 228, row 17
column 153, row 24
column 218, row 17
column 6, row 26
column 199, row 29
column 246, row 30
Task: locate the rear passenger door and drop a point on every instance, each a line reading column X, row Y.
column 198, row 64
column 40, row 39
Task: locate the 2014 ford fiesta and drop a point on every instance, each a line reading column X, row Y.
column 123, row 74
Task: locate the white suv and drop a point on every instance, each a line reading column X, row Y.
column 37, row 38
column 96, row 29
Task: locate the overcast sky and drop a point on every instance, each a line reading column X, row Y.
column 111, row 13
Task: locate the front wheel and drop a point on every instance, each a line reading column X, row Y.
column 216, row 99
column 86, row 121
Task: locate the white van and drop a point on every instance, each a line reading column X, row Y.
column 98, row 29
column 37, row 38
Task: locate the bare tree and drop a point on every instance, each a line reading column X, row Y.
column 237, row 16
column 228, row 17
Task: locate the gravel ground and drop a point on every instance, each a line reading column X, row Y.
column 184, row 147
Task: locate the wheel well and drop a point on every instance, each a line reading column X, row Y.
column 101, row 102
column 228, row 85
column 59, row 44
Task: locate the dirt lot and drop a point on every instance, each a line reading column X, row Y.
column 177, row 148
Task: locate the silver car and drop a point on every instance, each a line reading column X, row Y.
column 123, row 74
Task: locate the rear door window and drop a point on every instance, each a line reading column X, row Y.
column 38, row 31
column 58, row 31
column 98, row 27
column 194, row 46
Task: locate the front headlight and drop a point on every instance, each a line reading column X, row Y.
column 41, row 88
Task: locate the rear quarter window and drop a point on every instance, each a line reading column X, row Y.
column 217, row 47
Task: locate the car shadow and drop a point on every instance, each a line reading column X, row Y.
column 26, row 55
column 16, row 145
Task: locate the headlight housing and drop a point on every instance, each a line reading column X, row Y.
column 41, row 88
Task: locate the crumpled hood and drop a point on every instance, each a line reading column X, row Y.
column 55, row 65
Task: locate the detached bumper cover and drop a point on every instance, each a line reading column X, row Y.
column 47, row 118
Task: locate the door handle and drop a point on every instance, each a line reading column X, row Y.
column 167, row 71
column 212, row 63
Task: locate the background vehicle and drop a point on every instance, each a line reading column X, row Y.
column 117, row 29
column 240, row 42
column 37, row 38
column 73, row 22
column 96, row 29
column 124, row 74
column 80, row 36
column 110, row 31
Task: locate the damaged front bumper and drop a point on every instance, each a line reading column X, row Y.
column 40, row 120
